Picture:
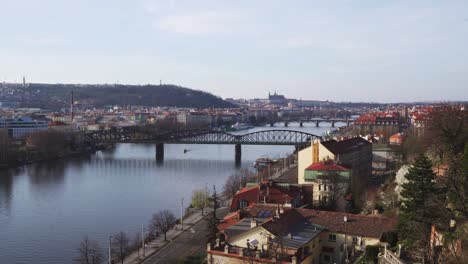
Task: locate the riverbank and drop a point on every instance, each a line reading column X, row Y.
column 35, row 159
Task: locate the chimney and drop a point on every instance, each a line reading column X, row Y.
column 217, row 243
column 290, row 236
column 253, row 223
column 345, row 219
column 376, row 212
column 226, row 249
column 281, row 210
column 208, row 247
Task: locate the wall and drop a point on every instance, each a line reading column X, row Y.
column 304, row 159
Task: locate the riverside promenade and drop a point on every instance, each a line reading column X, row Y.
column 154, row 247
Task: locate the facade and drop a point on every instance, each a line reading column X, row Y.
column 354, row 154
column 19, row 128
column 194, row 118
column 330, row 183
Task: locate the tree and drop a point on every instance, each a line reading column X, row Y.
column 423, row 203
column 213, row 221
column 136, row 243
column 200, row 199
column 4, row 146
column 163, row 221
column 121, row 245
column 50, row 143
column 89, row 252
column 235, row 182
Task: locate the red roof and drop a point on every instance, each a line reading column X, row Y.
column 228, row 221
column 325, row 166
column 249, row 194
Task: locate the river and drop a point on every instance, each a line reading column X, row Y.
column 46, row 208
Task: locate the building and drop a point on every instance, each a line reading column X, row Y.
column 267, row 192
column 194, row 118
column 20, row 127
column 277, row 99
column 354, row 154
column 330, row 184
column 397, row 139
column 267, row 234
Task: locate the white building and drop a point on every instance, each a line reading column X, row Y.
column 20, row 127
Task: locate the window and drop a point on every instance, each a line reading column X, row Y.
column 332, row 237
column 326, row 258
column 320, row 187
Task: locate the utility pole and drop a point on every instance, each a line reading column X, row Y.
column 205, row 195
column 110, row 244
column 143, row 239
column 345, row 245
column 182, row 214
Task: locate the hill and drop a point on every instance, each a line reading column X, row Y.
column 53, row 96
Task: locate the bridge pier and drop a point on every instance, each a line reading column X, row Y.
column 159, row 152
column 333, row 123
column 286, row 124
column 238, row 153
column 272, row 124
column 301, row 124
column 317, row 123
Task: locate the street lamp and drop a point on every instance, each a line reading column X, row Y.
column 345, row 245
column 110, row 244
column 205, row 195
column 143, row 240
column 182, row 213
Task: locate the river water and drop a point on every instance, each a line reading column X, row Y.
column 46, row 209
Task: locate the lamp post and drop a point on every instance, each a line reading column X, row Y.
column 205, row 195
column 143, row 240
column 110, row 244
column 345, row 245
column 182, row 214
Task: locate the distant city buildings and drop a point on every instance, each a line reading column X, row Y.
column 20, row 127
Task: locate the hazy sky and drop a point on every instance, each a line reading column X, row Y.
column 338, row 50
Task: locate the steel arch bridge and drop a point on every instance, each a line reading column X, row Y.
column 264, row 137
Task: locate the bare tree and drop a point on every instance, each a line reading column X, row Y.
column 236, row 182
column 136, row 243
column 163, row 221
column 89, row 252
column 4, row 146
column 121, row 245
column 50, row 143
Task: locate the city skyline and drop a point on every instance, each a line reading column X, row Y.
column 338, row 51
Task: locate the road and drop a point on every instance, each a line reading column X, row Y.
column 187, row 244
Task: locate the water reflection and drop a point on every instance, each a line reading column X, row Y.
column 6, row 186
column 47, row 173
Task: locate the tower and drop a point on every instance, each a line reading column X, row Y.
column 24, row 81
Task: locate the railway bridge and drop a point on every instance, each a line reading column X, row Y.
column 205, row 136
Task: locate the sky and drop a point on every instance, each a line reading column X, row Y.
column 339, row 50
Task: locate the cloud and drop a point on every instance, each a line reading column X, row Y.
column 199, row 23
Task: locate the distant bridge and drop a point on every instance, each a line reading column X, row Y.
column 142, row 135
column 317, row 121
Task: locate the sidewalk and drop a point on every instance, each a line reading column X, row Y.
column 155, row 245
